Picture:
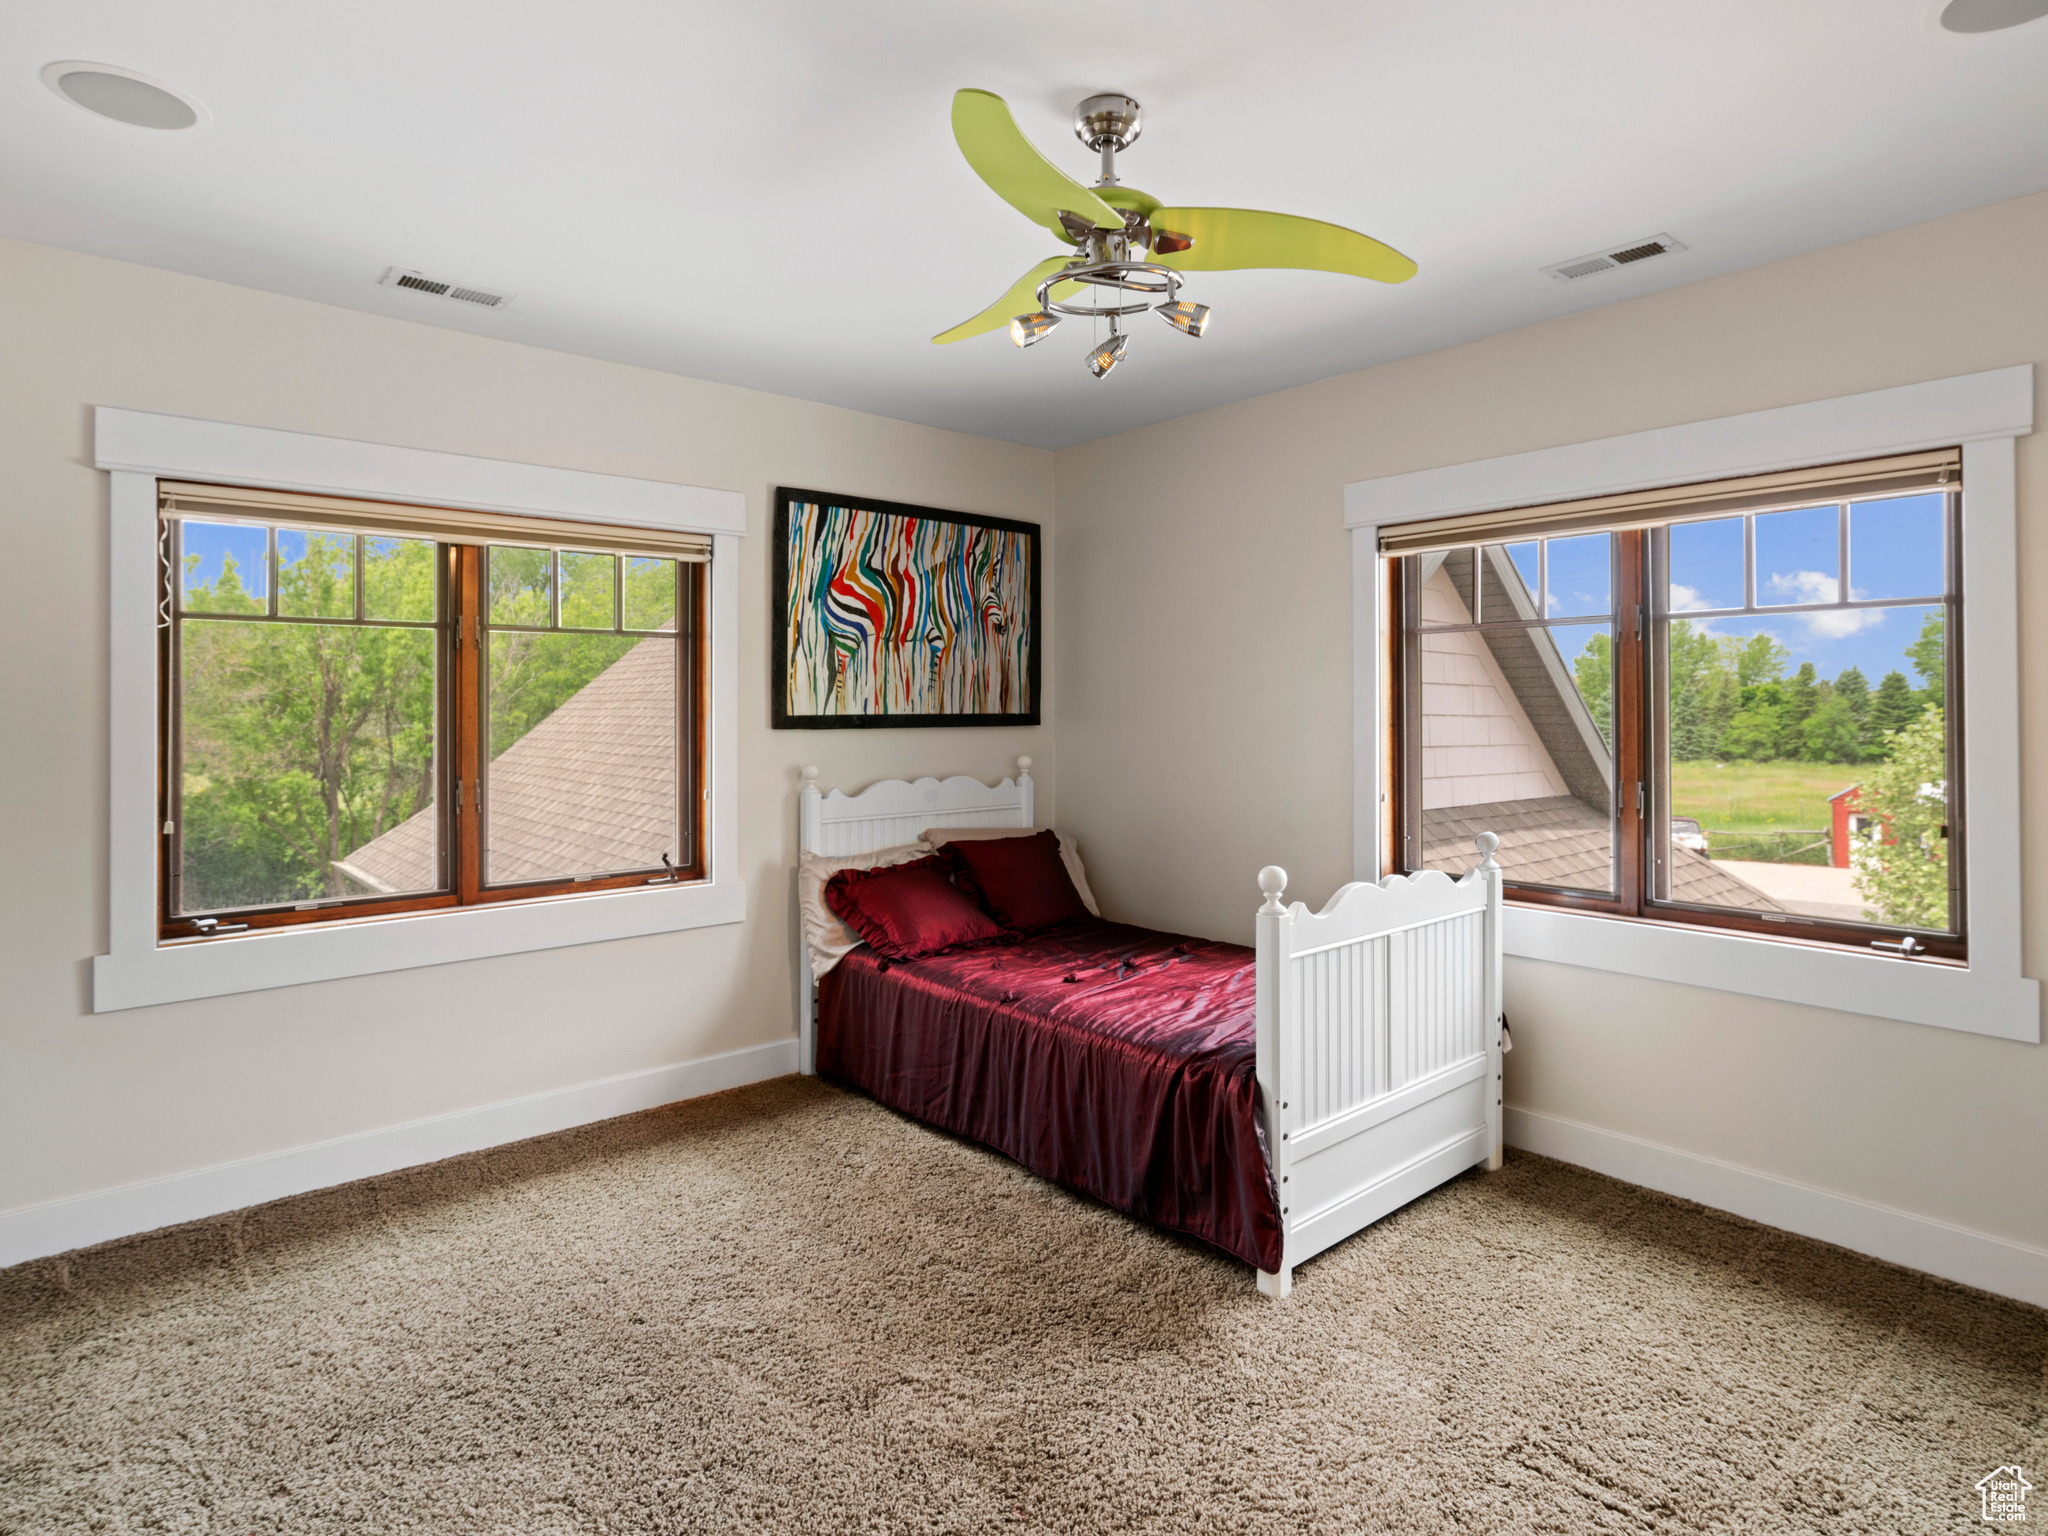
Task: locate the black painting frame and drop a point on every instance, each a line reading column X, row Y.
column 780, row 717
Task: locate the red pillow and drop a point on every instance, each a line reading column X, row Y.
column 905, row 911
column 1021, row 880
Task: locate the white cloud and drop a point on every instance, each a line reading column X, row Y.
column 1804, row 587
column 1685, row 599
column 1840, row 623
column 1816, row 587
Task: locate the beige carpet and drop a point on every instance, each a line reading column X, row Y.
column 785, row 1309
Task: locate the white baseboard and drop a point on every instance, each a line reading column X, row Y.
column 1933, row 1247
column 41, row 1230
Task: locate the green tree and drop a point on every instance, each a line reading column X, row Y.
column 1929, row 655
column 1904, row 872
column 1757, row 727
column 300, row 742
column 1803, row 693
column 1832, row 733
column 1719, row 699
column 533, row 675
column 1892, row 708
column 226, row 594
column 650, row 593
column 1759, row 659
column 530, row 675
column 1593, row 670
column 1701, row 691
column 1853, row 689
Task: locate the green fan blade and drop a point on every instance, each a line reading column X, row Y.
column 1022, row 299
column 1001, row 156
column 1226, row 238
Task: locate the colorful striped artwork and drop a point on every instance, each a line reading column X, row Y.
column 890, row 615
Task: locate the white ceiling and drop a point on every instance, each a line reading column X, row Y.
column 768, row 194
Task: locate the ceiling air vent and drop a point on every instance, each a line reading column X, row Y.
column 1606, row 261
column 462, row 293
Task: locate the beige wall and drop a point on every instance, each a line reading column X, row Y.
column 1204, row 622
column 89, row 1103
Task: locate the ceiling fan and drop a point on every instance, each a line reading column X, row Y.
column 1126, row 240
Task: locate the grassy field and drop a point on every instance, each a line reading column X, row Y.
column 1758, row 797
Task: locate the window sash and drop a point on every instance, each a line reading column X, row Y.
column 1410, row 575
column 676, row 636
column 176, row 919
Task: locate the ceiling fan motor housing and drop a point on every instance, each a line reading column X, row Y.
column 1107, row 120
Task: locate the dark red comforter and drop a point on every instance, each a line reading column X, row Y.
column 1113, row 1060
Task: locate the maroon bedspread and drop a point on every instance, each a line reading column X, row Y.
column 1113, row 1060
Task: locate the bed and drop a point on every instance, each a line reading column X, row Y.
column 1270, row 1100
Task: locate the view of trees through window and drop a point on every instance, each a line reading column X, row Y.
column 532, row 673
column 299, row 739
column 309, row 728
column 1794, row 667
column 1816, row 736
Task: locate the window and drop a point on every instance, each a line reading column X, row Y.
column 371, row 709
column 1731, row 705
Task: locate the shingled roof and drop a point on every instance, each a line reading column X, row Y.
column 1563, row 841
column 589, row 790
column 1502, row 718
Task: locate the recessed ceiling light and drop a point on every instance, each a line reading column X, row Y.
column 123, row 95
column 1990, row 15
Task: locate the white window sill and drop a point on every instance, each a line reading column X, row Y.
column 178, row 973
column 1945, row 996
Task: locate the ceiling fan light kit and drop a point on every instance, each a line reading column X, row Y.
column 1127, row 240
column 1027, row 329
column 1105, row 357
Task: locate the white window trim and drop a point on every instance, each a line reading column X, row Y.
column 1984, row 412
column 139, row 447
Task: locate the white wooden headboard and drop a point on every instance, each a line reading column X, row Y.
column 888, row 812
column 895, row 811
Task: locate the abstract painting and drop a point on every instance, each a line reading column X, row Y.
column 896, row 615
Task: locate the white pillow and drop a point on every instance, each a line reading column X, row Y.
column 1070, row 852
column 827, row 940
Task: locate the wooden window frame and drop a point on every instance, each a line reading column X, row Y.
column 1642, row 786
column 460, row 769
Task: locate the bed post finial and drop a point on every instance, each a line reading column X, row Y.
column 810, row 778
column 1272, row 880
column 1023, row 768
column 1487, row 841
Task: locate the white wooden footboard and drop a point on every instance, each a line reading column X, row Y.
column 1379, row 1045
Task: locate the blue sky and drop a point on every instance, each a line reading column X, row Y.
column 1895, row 551
column 211, row 541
